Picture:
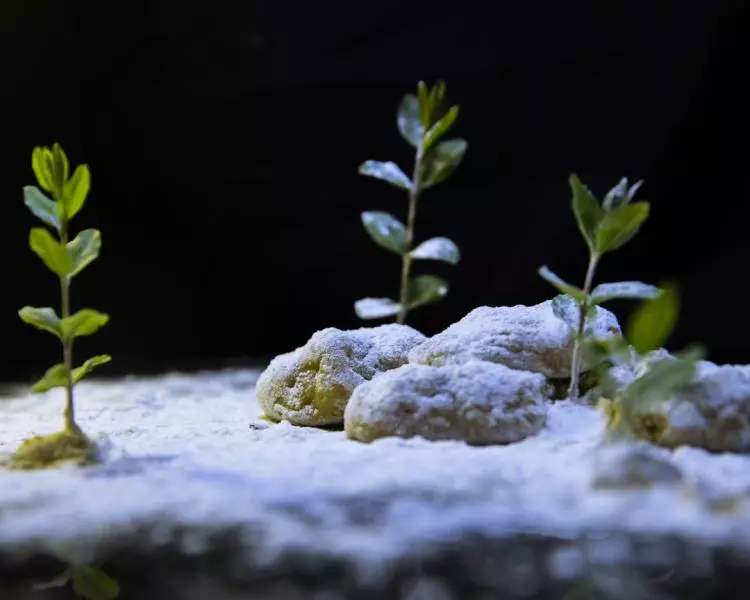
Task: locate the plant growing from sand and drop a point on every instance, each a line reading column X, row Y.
column 605, row 227
column 422, row 122
column 66, row 257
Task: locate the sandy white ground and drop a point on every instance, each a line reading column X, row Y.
column 183, row 453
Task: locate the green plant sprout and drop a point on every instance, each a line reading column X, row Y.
column 605, row 227
column 422, row 121
column 633, row 411
column 66, row 258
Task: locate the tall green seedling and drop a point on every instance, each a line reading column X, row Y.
column 66, row 257
column 422, row 122
column 605, row 227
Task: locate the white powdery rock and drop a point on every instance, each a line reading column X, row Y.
column 522, row 337
column 311, row 385
column 713, row 412
column 476, row 402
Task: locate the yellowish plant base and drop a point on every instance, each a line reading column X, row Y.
column 48, row 451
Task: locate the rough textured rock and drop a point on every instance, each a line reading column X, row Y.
column 476, row 402
column 713, row 412
column 627, row 465
column 311, row 385
column 529, row 338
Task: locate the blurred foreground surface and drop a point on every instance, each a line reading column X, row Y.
column 195, row 503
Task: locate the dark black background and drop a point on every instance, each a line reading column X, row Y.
column 224, row 139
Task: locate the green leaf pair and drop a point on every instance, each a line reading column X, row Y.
column 389, row 233
column 422, row 290
column 51, row 168
column 604, row 292
column 66, row 260
column 84, row 322
column 56, row 376
column 611, row 225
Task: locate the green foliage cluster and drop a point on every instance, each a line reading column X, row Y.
column 605, row 226
column 631, row 411
column 66, row 258
column 422, row 121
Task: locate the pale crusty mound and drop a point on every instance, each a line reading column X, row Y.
column 311, row 385
column 712, row 413
column 529, row 338
column 476, row 402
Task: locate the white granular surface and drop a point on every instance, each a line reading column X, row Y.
column 183, row 454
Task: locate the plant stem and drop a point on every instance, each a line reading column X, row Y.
column 575, row 368
column 411, row 218
column 69, row 414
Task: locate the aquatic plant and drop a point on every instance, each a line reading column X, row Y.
column 422, row 122
column 605, row 227
column 66, row 258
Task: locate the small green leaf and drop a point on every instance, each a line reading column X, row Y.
column 441, row 161
column 88, row 366
column 42, row 207
column 561, row 285
column 663, row 379
column 54, row 254
column 587, row 211
column 652, row 323
column 437, row 95
column 84, row 322
column 438, row 129
column 426, row 289
column 408, row 120
column 42, row 318
column 54, row 377
column 423, row 95
column 60, row 167
column 617, row 196
column 84, row 249
column 385, row 230
column 437, row 248
column 567, row 309
column 604, row 292
column 91, row 583
column 387, row 171
column 376, row 308
column 75, row 190
column 42, row 164
column 619, row 226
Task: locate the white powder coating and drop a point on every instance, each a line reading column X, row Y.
column 184, row 457
column 714, row 411
column 477, row 402
column 522, row 337
column 312, row 384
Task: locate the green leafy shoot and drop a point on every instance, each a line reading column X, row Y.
column 605, row 227
column 66, row 258
column 636, row 409
column 422, row 121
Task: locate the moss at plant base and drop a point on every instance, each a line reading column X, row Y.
column 43, row 452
